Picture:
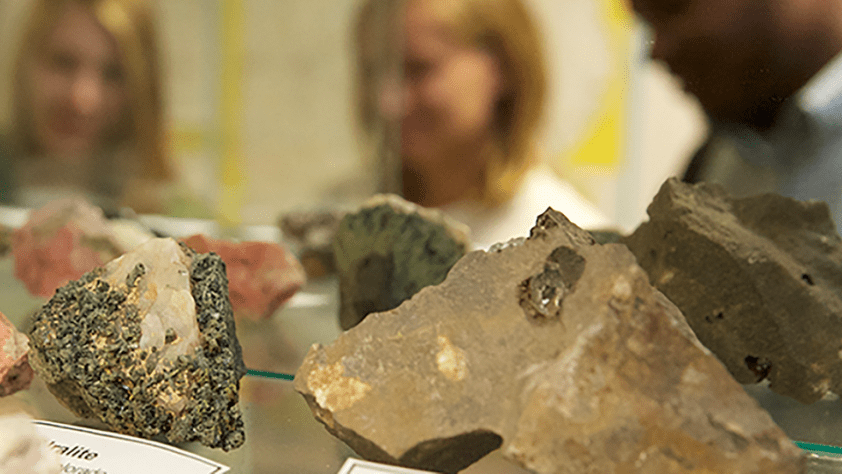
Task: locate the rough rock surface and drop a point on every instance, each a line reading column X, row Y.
column 146, row 344
column 262, row 276
column 22, row 450
column 390, row 249
column 15, row 372
column 759, row 279
column 60, row 242
column 554, row 348
column 312, row 234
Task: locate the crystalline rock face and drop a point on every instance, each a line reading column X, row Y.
column 147, row 345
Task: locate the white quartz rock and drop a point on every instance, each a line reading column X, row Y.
column 165, row 301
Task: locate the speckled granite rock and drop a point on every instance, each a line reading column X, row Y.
column 553, row 348
column 390, row 249
column 262, row 276
column 759, row 280
column 146, row 344
column 22, row 450
column 15, row 372
column 60, row 242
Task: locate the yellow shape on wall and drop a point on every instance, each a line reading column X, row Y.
column 232, row 16
column 601, row 144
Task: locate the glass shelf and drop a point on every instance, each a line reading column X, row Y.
column 283, row 436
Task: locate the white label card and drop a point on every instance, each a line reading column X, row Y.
column 356, row 466
column 87, row 451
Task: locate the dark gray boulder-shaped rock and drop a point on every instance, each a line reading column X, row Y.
column 759, row 279
column 388, row 250
column 554, row 349
column 147, row 345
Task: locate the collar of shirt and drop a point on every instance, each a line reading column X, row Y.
column 821, row 98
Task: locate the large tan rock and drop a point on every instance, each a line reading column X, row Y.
column 759, row 279
column 553, row 348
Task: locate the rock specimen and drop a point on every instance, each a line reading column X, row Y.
column 22, row 450
column 390, row 249
column 554, row 348
column 147, row 345
column 261, row 275
column 759, row 279
column 312, row 235
column 60, row 242
column 15, row 372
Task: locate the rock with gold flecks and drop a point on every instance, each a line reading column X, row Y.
column 147, row 345
column 552, row 348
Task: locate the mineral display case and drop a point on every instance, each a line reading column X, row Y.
column 281, row 433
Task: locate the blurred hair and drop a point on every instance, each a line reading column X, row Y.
column 131, row 23
column 503, row 27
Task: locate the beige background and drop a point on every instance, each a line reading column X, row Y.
column 297, row 144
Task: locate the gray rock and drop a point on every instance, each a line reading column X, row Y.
column 759, row 279
column 147, row 345
column 311, row 234
column 552, row 348
column 390, row 249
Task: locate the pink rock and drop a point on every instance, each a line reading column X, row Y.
column 60, row 242
column 261, row 275
column 15, row 373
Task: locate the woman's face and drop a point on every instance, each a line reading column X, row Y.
column 77, row 90
column 447, row 99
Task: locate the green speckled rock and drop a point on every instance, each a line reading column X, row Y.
column 390, row 249
column 147, row 345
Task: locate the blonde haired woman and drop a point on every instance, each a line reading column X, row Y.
column 87, row 107
column 465, row 97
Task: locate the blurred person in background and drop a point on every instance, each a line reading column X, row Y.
column 466, row 94
column 769, row 77
column 87, row 108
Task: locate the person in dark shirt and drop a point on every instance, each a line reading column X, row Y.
column 769, row 77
